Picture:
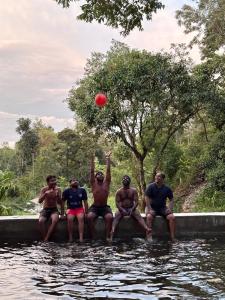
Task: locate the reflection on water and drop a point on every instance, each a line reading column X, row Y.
column 131, row 270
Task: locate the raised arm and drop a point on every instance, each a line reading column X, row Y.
column 92, row 170
column 108, row 168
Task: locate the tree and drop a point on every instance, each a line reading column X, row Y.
column 206, row 20
column 117, row 13
column 28, row 143
column 150, row 98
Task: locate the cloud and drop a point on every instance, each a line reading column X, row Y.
column 8, row 124
column 43, row 50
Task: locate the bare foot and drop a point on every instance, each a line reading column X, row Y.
column 70, row 240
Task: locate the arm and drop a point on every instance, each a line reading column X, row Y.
column 92, row 171
column 85, row 202
column 108, row 169
column 60, row 201
column 42, row 196
column 170, row 196
column 135, row 200
column 118, row 202
column 85, row 207
column 171, row 205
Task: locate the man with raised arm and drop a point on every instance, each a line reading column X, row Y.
column 50, row 196
column 127, row 202
column 100, row 188
column 156, row 196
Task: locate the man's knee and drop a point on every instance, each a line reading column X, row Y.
column 171, row 217
column 149, row 217
column 108, row 217
column 42, row 220
column 55, row 218
column 91, row 217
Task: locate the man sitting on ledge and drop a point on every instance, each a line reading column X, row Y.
column 127, row 202
column 156, row 195
column 100, row 189
column 50, row 196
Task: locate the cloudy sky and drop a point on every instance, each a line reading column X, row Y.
column 43, row 50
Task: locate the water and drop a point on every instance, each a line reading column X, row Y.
column 123, row 270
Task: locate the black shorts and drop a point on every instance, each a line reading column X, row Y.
column 163, row 212
column 100, row 211
column 47, row 212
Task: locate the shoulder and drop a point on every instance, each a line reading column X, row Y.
column 119, row 191
column 44, row 189
column 168, row 188
column 66, row 191
column 82, row 190
column 151, row 186
column 133, row 190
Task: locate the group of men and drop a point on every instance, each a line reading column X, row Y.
column 75, row 197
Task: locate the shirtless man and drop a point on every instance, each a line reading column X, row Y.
column 100, row 189
column 50, row 196
column 126, row 202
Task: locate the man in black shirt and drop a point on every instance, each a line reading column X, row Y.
column 156, row 196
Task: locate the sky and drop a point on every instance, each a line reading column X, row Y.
column 43, row 51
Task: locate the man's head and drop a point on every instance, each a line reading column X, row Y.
column 99, row 176
column 160, row 177
column 74, row 183
column 126, row 181
column 51, row 180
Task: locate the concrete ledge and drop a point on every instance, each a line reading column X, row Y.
column 190, row 225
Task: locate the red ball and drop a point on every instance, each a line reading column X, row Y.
column 100, row 100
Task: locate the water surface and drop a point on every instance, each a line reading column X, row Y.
column 123, row 270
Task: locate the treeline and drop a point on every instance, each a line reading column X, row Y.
column 163, row 113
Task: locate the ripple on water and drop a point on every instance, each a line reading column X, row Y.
column 133, row 270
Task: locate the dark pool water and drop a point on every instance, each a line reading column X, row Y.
column 123, row 270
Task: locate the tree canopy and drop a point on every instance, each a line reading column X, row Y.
column 206, row 19
column 124, row 14
column 150, row 98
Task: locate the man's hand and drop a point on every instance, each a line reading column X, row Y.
column 108, row 154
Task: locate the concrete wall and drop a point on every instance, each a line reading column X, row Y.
column 191, row 225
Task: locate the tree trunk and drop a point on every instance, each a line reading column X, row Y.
column 142, row 182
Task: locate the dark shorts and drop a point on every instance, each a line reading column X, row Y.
column 47, row 212
column 163, row 212
column 100, row 211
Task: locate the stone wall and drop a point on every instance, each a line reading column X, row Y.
column 188, row 225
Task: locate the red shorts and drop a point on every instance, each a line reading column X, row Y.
column 75, row 211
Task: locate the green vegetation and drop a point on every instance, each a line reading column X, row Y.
column 163, row 113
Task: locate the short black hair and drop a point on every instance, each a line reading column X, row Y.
column 73, row 178
column 162, row 174
column 49, row 177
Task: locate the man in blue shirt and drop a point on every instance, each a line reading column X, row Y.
column 77, row 206
column 156, row 196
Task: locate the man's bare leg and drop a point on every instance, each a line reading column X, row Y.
column 149, row 221
column 137, row 216
column 70, row 220
column 42, row 226
column 91, row 223
column 80, row 219
column 108, row 224
column 171, row 220
column 54, row 221
column 117, row 218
